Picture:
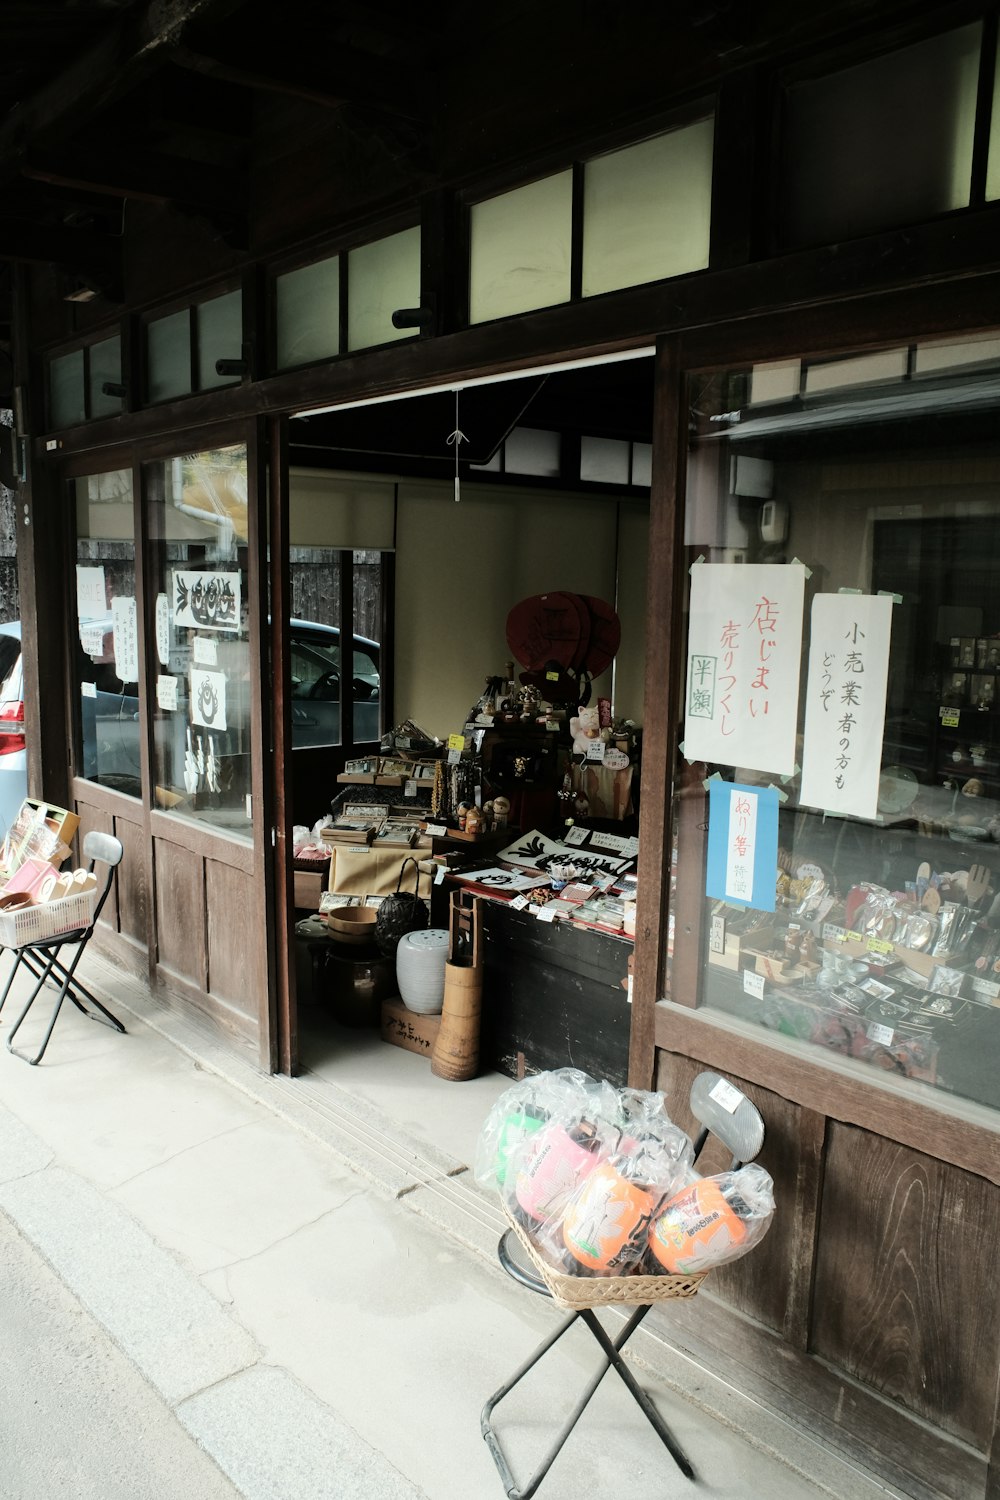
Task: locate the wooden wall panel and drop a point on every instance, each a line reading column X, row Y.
column 180, row 911
column 235, row 938
column 907, row 1297
column 133, row 882
column 774, row 1283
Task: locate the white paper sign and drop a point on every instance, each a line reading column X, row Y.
column 596, row 750
column 576, row 835
column 92, row 640
column 166, row 693
column 753, row 983
column 615, row 759
column 91, row 599
column 206, row 652
column 744, row 647
column 208, row 698
column 207, row 600
column 163, row 629
column 845, row 703
column 126, row 639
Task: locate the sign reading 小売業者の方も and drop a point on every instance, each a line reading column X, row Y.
column 845, row 702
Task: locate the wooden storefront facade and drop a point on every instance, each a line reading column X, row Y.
column 872, row 1310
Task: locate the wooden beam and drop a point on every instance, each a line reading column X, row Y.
column 151, row 177
column 125, row 53
column 348, row 77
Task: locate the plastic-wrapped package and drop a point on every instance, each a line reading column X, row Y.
column 581, row 1128
column 605, row 1225
column 712, row 1221
column 520, row 1111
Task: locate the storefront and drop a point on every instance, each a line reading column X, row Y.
column 776, row 458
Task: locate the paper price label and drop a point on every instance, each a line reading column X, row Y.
column 454, row 756
column 545, row 914
column 456, row 742
column 753, row 983
column 986, row 987
column 88, row 689
column 723, row 1093
column 576, row 836
column 834, row 934
column 439, row 876
column 410, row 789
column 879, row 945
column 596, row 750
column 880, row 1034
column 435, row 830
column 519, row 903
column 552, row 677
column 949, row 719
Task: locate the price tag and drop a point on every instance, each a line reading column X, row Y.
column 986, row 987
column 403, row 743
column 949, row 718
column 879, row 945
column 723, row 1093
column 552, row 723
column 88, row 689
column 410, row 789
column 454, row 756
column 576, row 835
column 435, row 831
column 519, row 903
column 545, row 914
column 596, row 750
column 456, row 742
column 881, row 1034
column 753, row 983
column 834, row 934
column 439, row 877
column 552, row 677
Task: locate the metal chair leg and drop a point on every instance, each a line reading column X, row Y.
column 57, row 972
column 612, row 1357
column 18, row 957
column 31, row 1000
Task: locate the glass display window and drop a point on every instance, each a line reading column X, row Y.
column 837, row 794
column 105, row 651
column 200, row 651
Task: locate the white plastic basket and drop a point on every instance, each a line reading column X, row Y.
column 48, row 919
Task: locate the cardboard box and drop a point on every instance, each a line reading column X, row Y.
column 405, row 1028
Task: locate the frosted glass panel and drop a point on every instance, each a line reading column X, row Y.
column 220, row 336
column 105, row 364
column 380, row 278
column 66, row 389
column 307, row 313
column 520, row 249
column 647, row 210
column 530, row 451
column 887, row 142
column 993, row 161
column 604, row 460
column 168, row 356
column 642, row 464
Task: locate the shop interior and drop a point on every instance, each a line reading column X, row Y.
column 495, row 587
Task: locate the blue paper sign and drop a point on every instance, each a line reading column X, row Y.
column 742, row 844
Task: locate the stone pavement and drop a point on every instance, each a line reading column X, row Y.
column 312, row 1293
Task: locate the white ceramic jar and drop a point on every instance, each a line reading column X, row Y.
column 420, row 960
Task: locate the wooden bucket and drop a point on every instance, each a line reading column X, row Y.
column 456, row 1050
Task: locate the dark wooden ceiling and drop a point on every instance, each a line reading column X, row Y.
column 266, row 122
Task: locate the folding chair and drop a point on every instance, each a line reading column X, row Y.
column 721, row 1110
column 42, row 957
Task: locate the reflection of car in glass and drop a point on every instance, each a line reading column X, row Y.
column 13, row 755
column 110, row 712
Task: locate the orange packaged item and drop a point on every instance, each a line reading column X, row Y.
column 606, row 1225
column 697, row 1229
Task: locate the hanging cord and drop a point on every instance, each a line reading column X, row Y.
column 455, row 440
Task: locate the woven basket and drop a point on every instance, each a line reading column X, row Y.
column 574, row 1292
column 49, row 919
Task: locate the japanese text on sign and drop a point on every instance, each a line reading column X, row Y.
column 743, row 664
column 845, row 702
